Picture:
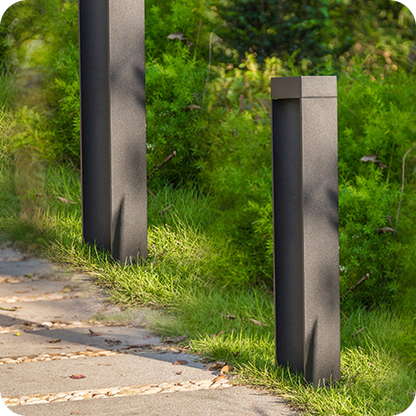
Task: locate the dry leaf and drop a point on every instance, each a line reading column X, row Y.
column 178, row 373
column 67, row 289
column 53, row 341
column 192, row 107
column 373, row 159
column 258, row 322
column 112, row 341
column 385, row 230
column 226, row 369
column 370, row 158
column 77, row 376
column 217, row 365
column 178, row 35
column 94, row 334
column 146, row 337
column 64, row 200
column 220, row 377
column 176, row 340
column 180, row 362
column 140, row 346
column 15, row 308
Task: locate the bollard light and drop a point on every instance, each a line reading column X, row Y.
column 305, row 223
column 113, row 126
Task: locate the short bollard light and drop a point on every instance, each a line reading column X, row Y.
column 305, row 223
column 113, row 126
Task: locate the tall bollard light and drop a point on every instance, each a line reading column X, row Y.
column 113, row 126
column 305, row 223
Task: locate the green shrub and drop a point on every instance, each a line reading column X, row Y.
column 376, row 117
column 315, row 30
column 194, row 19
column 174, row 89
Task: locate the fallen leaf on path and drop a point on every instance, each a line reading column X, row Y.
column 94, row 334
column 180, row 362
column 112, row 341
column 217, row 365
column 176, row 340
column 140, row 346
column 226, row 369
column 53, row 341
column 220, row 377
column 15, row 308
column 67, row 289
column 178, row 373
column 17, row 334
column 146, row 337
column 77, row 376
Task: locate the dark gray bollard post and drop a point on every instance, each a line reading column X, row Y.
column 305, row 217
column 113, row 126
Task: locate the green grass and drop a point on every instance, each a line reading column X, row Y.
column 186, row 274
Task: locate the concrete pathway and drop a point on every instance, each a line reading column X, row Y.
column 63, row 353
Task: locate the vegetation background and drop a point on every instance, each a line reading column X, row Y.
column 208, row 71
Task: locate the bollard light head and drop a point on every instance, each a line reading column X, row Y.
column 304, row 87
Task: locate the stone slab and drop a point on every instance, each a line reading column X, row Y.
column 41, row 311
column 27, row 288
column 73, row 339
column 233, row 401
column 100, row 372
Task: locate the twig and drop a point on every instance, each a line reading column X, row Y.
column 345, row 316
column 170, row 157
column 164, row 210
column 356, row 333
column 401, row 195
column 351, row 289
column 209, row 63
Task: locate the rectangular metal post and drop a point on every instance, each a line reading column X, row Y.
column 305, row 223
column 113, row 126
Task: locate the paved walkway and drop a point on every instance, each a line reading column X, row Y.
column 56, row 360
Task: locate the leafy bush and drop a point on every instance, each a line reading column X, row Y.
column 191, row 20
column 174, row 89
column 376, row 117
column 63, row 97
column 315, row 30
